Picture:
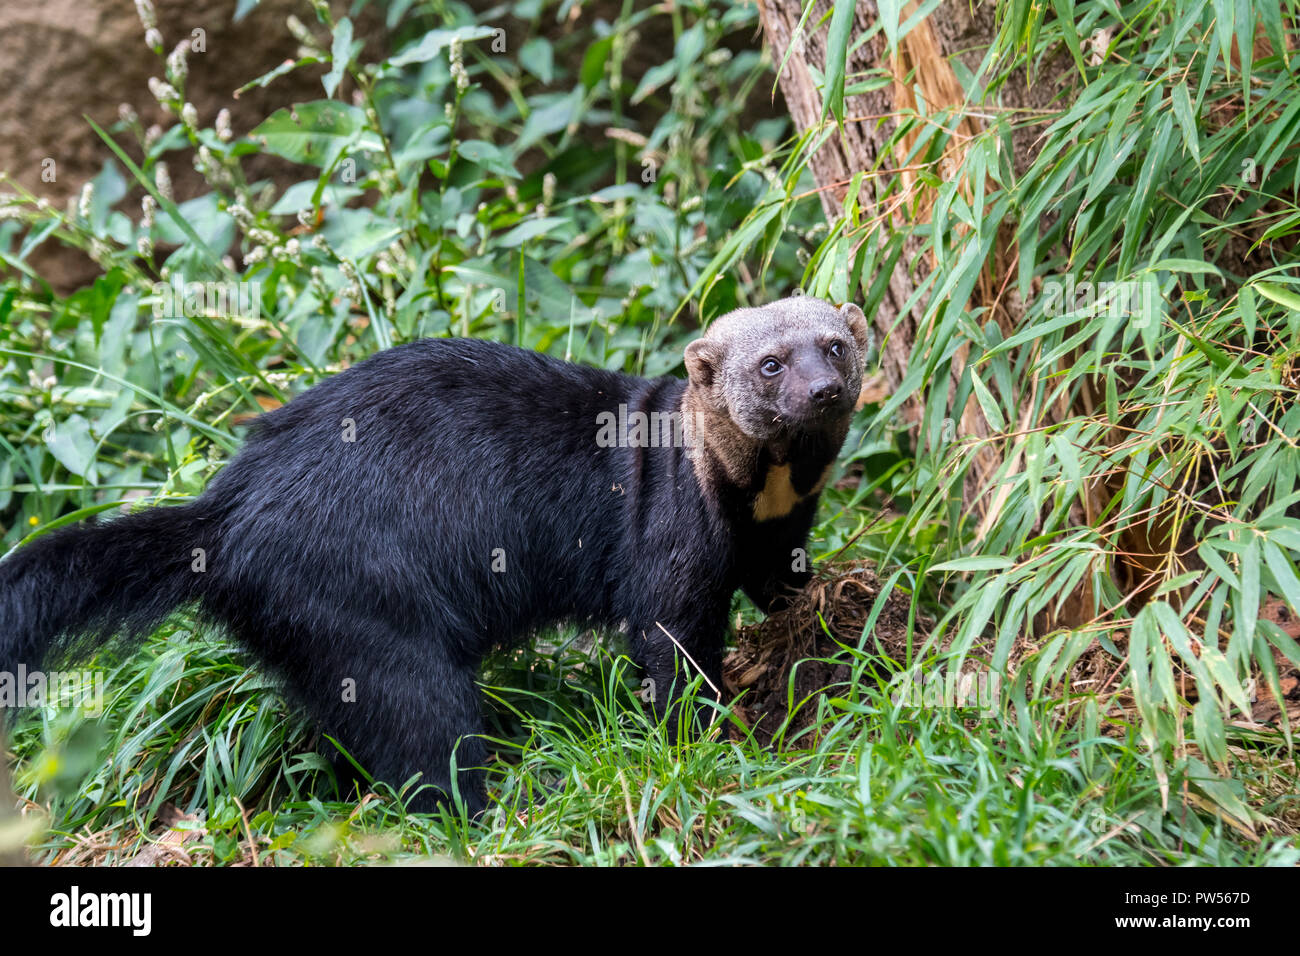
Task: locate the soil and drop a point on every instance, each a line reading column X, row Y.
column 810, row 638
column 66, row 59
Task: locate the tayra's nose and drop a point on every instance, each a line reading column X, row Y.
column 824, row 392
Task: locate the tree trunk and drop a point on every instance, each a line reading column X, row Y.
column 954, row 30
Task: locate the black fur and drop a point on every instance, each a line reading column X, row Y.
column 373, row 560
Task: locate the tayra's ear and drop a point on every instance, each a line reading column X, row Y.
column 858, row 325
column 703, row 362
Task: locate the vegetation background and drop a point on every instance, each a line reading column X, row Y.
column 1074, row 225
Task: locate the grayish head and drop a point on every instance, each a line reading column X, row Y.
column 792, row 365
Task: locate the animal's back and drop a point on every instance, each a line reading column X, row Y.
column 451, row 481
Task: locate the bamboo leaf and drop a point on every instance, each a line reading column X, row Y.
column 837, row 55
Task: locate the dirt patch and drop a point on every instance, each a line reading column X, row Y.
column 808, row 638
column 66, row 59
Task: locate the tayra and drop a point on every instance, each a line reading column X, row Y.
column 376, row 536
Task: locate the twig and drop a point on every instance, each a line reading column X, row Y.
column 691, row 659
column 627, row 801
column 252, row 843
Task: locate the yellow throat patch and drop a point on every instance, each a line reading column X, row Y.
column 778, row 497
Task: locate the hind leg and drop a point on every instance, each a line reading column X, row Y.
column 412, row 716
column 405, row 713
column 399, row 706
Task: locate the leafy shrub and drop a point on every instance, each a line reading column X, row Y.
column 474, row 169
column 1137, row 362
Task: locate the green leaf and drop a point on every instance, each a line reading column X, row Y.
column 72, row 517
column 594, row 60
column 1176, row 583
column 654, row 78
column 1141, row 638
column 687, row 50
column 1247, row 603
column 1221, row 672
column 530, row 230
column 315, row 133
column 434, row 42
column 1214, row 561
column 1136, row 220
column 1103, row 175
column 837, row 55
column 1249, row 317
column 1271, row 14
column 357, row 233
column 299, row 196
column 488, row 157
column 204, row 216
column 1283, row 573
column 551, row 113
column 890, row 12
column 1186, row 121
column 340, row 56
column 1223, row 19
column 1220, row 791
column 287, row 66
column 1218, row 358
column 988, row 599
column 988, row 404
column 538, row 58
column 978, row 562
column 1196, row 266
column 1035, row 461
column 1065, row 12
column 1276, row 293
column 70, row 442
column 1173, row 628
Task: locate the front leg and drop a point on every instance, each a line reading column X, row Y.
column 673, row 654
column 774, row 558
column 675, row 594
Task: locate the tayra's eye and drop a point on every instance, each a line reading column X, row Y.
column 836, row 350
column 771, row 367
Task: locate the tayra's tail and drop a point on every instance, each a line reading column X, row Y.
column 93, row 581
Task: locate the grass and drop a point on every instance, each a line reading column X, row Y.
column 581, row 776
